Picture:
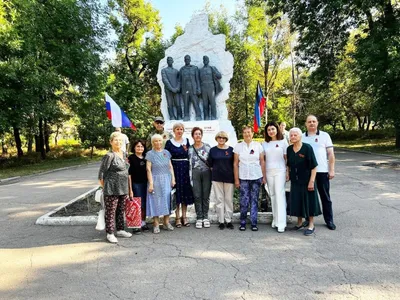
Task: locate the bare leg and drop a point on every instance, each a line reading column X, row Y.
column 299, row 221
column 166, row 220
column 156, row 221
column 177, row 216
column 311, row 223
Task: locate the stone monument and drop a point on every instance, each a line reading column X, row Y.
column 205, row 71
column 171, row 82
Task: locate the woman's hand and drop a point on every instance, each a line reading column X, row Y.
column 310, row 186
column 151, row 188
column 287, row 177
column 130, row 194
column 237, row 183
column 264, row 181
column 173, row 182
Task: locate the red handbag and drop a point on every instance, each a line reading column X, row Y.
column 133, row 216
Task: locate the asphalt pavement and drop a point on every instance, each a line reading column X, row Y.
column 359, row 260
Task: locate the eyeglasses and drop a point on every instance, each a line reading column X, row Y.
column 159, row 122
column 221, row 137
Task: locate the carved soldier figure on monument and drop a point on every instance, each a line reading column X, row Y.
column 210, row 87
column 190, row 88
column 170, row 78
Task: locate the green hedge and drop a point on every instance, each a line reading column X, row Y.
column 363, row 135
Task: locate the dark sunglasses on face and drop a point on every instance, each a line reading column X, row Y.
column 159, row 122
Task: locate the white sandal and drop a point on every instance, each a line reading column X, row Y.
column 199, row 224
column 206, row 223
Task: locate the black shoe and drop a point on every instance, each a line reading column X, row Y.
column 221, row 226
column 305, row 224
column 331, row 226
column 254, row 228
column 229, row 226
column 136, row 231
column 242, row 227
column 145, row 228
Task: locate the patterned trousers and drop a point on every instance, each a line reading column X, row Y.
column 249, row 191
column 115, row 208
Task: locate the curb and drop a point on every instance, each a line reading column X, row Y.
column 72, row 220
column 17, row 178
column 47, row 220
column 368, row 152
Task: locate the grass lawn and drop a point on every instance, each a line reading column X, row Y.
column 371, row 145
column 46, row 165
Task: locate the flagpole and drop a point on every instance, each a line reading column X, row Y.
column 266, row 109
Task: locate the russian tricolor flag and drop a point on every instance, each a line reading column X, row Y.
column 116, row 115
column 258, row 107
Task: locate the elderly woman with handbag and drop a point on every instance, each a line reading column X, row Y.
column 201, row 177
column 113, row 177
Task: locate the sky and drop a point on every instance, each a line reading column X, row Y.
column 174, row 12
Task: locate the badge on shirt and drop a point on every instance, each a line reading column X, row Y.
column 251, row 151
column 277, row 146
column 203, row 152
column 142, row 163
column 184, row 147
column 316, row 140
column 301, row 155
column 226, row 153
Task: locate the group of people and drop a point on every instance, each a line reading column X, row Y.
column 168, row 165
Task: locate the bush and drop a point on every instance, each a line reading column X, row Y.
column 363, row 135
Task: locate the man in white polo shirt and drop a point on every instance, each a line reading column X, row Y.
column 323, row 149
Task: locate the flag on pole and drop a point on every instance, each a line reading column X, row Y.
column 116, row 114
column 258, row 107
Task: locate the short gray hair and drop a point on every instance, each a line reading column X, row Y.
column 296, row 129
column 155, row 137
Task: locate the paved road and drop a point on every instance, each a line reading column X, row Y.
column 360, row 260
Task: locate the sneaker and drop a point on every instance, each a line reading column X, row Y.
column 230, row 225
column 145, row 227
column 309, row 231
column 168, row 227
column 156, row 229
column 221, row 226
column 123, row 233
column 242, row 227
column 111, row 238
column 280, row 230
column 199, row 224
column 254, row 228
column 206, row 223
column 331, row 226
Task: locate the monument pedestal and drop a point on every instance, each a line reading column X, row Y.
column 210, row 129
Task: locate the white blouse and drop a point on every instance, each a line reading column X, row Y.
column 274, row 152
column 249, row 160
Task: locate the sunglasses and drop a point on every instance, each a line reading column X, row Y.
column 159, row 122
column 221, row 137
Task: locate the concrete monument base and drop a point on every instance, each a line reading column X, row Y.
column 210, row 129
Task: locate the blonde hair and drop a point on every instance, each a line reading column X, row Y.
column 221, row 134
column 155, row 137
column 176, row 125
column 114, row 135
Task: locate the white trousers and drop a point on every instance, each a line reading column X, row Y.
column 276, row 180
column 223, row 193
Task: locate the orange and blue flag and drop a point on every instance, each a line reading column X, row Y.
column 117, row 115
column 258, row 107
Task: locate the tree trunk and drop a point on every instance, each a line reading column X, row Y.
column 30, row 143
column 18, row 142
column 364, row 122
column 56, row 137
column 368, row 123
column 37, row 143
column 343, row 125
column 359, row 122
column 41, row 139
column 46, row 136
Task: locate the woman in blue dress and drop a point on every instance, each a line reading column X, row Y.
column 161, row 179
column 179, row 149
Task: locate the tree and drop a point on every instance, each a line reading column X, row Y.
column 324, row 28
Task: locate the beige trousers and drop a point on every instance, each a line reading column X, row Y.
column 223, row 193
